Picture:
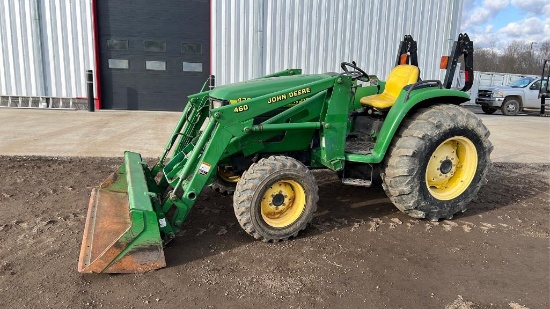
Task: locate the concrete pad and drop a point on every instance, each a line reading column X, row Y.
column 523, row 139
column 47, row 132
column 44, row 132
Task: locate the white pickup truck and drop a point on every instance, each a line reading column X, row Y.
column 523, row 94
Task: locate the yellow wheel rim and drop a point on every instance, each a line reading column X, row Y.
column 451, row 168
column 283, row 203
column 227, row 174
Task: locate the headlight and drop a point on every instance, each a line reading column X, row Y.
column 498, row 94
column 215, row 103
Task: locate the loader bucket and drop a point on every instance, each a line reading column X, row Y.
column 122, row 234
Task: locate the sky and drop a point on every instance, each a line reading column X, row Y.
column 497, row 23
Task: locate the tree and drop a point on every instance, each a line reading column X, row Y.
column 516, row 58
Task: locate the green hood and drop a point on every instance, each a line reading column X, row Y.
column 257, row 87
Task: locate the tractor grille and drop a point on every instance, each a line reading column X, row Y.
column 484, row 93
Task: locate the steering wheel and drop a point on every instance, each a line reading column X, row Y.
column 357, row 73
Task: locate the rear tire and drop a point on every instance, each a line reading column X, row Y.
column 437, row 163
column 275, row 198
column 225, row 181
column 510, row 107
column 489, row 110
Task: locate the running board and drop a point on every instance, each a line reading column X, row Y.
column 356, row 182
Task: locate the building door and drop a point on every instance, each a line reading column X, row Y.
column 152, row 54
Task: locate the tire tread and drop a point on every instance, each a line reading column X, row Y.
column 401, row 175
column 251, row 181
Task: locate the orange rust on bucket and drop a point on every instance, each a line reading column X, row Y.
column 108, row 233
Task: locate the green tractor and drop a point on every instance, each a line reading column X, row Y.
column 260, row 139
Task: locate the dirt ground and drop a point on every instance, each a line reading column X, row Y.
column 360, row 252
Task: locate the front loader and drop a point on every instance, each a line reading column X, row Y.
column 261, row 138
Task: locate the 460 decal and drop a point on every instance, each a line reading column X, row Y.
column 242, row 108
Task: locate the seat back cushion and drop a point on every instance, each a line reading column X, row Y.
column 400, row 76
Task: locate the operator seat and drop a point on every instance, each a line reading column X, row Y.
column 400, row 76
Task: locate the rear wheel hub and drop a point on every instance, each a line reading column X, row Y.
column 451, row 168
column 446, row 166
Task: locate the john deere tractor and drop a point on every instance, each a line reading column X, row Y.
column 261, row 138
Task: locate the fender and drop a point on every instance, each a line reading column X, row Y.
column 401, row 108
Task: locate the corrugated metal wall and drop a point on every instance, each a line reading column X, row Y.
column 46, row 46
column 252, row 38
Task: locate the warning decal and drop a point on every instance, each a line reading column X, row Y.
column 204, row 168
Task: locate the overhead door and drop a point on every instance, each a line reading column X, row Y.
column 152, row 54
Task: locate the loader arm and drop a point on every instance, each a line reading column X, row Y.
column 230, row 123
column 131, row 216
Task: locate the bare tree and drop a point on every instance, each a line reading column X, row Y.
column 517, row 58
column 485, row 60
column 544, row 49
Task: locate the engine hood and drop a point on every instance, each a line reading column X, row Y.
column 261, row 86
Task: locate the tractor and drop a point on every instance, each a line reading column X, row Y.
column 260, row 139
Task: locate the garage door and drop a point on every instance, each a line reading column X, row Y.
column 152, row 53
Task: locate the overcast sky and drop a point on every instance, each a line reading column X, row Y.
column 496, row 23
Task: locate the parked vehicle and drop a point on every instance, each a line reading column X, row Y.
column 520, row 95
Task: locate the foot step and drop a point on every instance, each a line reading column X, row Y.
column 358, row 146
column 356, row 182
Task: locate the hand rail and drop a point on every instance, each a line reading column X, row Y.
column 422, row 84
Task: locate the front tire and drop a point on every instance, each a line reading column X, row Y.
column 510, row 107
column 437, row 162
column 275, row 198
column 489, row 110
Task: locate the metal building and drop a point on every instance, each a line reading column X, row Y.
column 254, row 38
column 45, row 48
column 151, row 55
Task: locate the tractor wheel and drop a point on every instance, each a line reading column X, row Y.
column 510, row 107
column 225, row 181
column 437, row 162
column 275, row 198
column 488, row 110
